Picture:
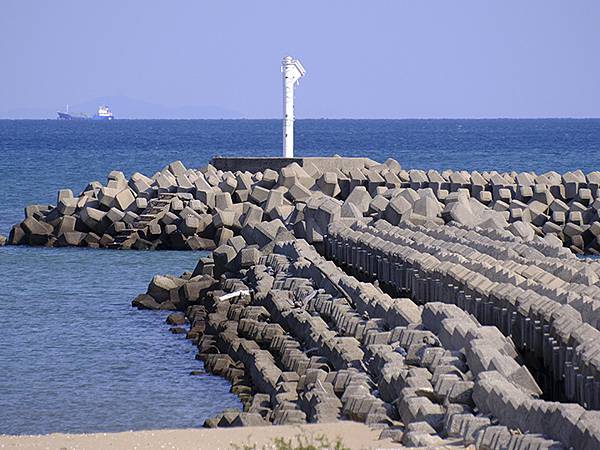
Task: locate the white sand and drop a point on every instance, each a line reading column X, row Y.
column 354, row 435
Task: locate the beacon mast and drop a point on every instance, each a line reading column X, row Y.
column 292, row 71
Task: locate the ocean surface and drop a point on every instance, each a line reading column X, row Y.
column 74, row 355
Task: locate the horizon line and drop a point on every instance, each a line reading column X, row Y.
column 331, row 118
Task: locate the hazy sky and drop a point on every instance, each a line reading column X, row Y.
column 367, row 59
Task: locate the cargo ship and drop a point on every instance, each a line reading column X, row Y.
column 104, row 113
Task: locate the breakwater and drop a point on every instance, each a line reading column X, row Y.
column 438, row 307
column 181, row 208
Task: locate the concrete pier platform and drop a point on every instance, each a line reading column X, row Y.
column 257, row 164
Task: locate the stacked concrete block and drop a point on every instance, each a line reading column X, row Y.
column 496, row 298
column 453, row 308
column 525, row 204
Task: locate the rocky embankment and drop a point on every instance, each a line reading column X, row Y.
column 442, row 308
column 181, row 208
column 454, row 359
column 436, row 331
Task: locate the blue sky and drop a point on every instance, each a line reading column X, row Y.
column 375, row 59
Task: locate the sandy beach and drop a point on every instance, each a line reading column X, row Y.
column 354, row 435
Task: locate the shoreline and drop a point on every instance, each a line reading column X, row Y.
column 354, row 435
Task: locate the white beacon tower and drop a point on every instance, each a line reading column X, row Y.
column 292, row 71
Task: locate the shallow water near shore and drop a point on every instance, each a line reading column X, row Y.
column 75, row 357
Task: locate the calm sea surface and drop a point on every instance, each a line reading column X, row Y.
column 75, row 357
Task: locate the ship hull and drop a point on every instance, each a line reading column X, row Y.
column 67, row 116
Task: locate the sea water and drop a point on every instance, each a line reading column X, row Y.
column 75, row 356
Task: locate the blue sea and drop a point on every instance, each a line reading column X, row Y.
column 74, row 355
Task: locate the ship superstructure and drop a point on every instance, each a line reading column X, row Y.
column 104, row 113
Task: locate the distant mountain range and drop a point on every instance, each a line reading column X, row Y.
column 127, row 108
